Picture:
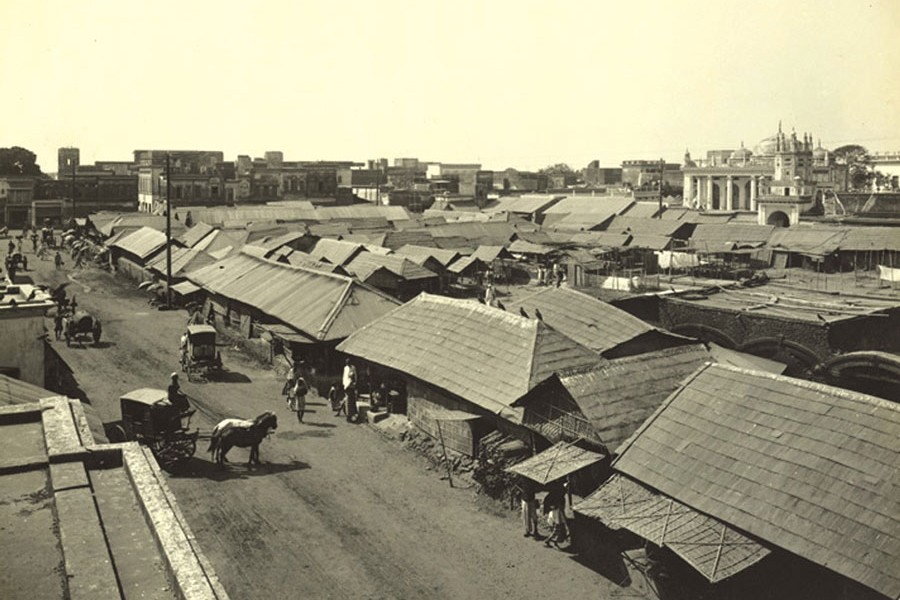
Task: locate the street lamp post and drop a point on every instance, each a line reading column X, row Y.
column 168, row 234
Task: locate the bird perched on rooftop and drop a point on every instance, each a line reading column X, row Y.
column 500, row 305
column 522, row 312
column 538, row 315
column 821, row 318
column 32, row 294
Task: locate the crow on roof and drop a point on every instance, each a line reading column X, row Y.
column 522, row 312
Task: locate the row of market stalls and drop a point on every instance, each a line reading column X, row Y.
column 709, row 457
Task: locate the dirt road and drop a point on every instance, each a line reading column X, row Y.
column 336, row 510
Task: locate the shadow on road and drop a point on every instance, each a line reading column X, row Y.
column 104, row 345
column 234, row 469
column 230, row 377
column 299, row 435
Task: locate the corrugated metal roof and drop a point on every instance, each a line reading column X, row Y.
column 301, row 211
column 860, row 239
column 618, row 395
column 142, row 243
column 716, row 550
column 814, row 241
column 651, row 242
column 366, row 263
column 459, row 266
column 610, row 205
column 593, row 323
column 635, row 226
column 302, row 259
column 192, row 236
column 578, row 221
column 713, row 237
column 445, row 257
column 183, row 260
column 643, row 210
column 524, row 204
column 482, row 354
column 398, row 239
column 555, row 462
column 603, row 239
column 322, row 305
column 337, row 252
column 523, row 247
column 362, row 211
column 489, row 254
column 491, row 233
column 806, row 467
column 328, row 229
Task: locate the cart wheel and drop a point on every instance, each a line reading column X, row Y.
column 117, row 434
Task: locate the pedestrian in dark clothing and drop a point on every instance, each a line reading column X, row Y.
column 177, row 398
column 554, row 509
column 336, row 399
column 57, row 260
column 58, row 323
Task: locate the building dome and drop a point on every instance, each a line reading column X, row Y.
column 741, row 154
column 767, row 146
column 820, row 153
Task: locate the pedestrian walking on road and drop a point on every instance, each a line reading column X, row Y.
column 57, row 260
column 58, row 323
column 337, row 401
column 297, row 397
column 529, row 512
column 554, row 509
column 350, row 387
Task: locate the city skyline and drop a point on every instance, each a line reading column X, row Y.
column 462, row 82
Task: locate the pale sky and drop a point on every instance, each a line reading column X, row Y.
column 505, row 83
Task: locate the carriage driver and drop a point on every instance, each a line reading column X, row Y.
column 177, row 398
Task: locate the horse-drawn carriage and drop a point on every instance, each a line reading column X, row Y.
column 150, row 419
column 198, row 352
column 82, row 324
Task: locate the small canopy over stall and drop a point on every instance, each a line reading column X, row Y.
column 556, row 462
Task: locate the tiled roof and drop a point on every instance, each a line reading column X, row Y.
column 593, row 323
column 322, row 305
column 445, row 257
column 618, row 395
column 366, row 263
column 142, row 243
column 482, row 354
column 806, row 467
column 710, row 546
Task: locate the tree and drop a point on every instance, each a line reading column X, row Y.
column 557, row 169
column 18, row 161
column 859, row 165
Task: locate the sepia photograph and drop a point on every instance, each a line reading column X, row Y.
column 450, row 300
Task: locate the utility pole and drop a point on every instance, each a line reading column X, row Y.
column 168, row 234
column 73, row 189
column 662, row 170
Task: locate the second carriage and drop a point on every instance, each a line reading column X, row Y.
column 199, row 356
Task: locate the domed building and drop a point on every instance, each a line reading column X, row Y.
column 781, row 168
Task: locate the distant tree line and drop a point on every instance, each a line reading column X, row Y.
column 18, row 161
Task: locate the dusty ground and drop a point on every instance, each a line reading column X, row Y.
column 336, row 510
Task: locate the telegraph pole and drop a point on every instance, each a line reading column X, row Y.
column 73, row 189
column 662, row 170
column 168, row 234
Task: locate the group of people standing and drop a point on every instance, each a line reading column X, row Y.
column 343, row 398
column 554, row 275
column 554, row 510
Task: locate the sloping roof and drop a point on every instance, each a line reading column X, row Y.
column 643, row 210
column 608, row 205
column 302, row 259
column 714, row 237
column 523, row 247
column 398, row 239
column 183, row 261
column 579, row 221
column 15, row 391
column 322, row 305
column 192, row 236
column 649, row 241
column 328, row 228
column 274, row 242
column 603, row 239
column 336, row 252
column 413, row 252
column 361, row 211
column 592, row 323
column 490, row 233
column 618, row 395
column 555, row 462
column 220, row 215
column 713, row 548
column 137, row 221
column 142, row 243
column 636, row 226
column 675, row 213
column 489, row 254
column 806, row 467
column 367, row 263
column 861, row 239
column 482, row 354
column 462, row 264
column 524, row 204
column 813, row 241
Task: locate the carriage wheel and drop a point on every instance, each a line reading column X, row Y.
column 117, row 434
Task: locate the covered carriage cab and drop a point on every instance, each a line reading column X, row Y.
column 199, row 355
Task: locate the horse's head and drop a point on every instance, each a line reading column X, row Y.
column 265, row 422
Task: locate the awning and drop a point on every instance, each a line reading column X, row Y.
column 710, row 546
column 555, row 462
column 186, row 287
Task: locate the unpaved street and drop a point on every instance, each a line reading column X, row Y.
column 336, row 510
